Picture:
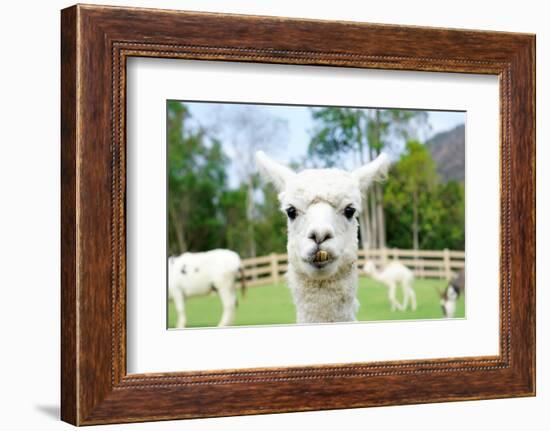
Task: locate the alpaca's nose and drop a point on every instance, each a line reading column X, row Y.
column 320, row 234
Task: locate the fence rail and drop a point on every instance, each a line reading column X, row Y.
column 441, row 264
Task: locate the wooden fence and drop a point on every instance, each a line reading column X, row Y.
column 442, row 264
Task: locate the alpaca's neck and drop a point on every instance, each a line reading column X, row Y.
column 330, row 300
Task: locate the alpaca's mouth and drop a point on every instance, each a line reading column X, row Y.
column 321, row 258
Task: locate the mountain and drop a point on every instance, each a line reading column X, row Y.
column 448, row 151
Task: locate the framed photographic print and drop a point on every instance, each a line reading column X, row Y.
column 266, row 215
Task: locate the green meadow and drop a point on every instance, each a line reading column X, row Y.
column 272, row 305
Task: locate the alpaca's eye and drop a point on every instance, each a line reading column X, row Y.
column 349, row 212
column 183, row 270
column 291, row 213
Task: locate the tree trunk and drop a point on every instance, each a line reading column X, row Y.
column 364, row 219
column 364, row 225
column 178, row 229
column 380, row 215
column 415, row 227
column 374, row 220
column 250, row 218
column 377, row 188
column 251, row 242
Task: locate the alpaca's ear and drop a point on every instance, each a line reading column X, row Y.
column 272, row 171
column 373, row 171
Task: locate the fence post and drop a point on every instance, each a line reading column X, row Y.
column 384, row 256
column 274, row 268
column 447, row 263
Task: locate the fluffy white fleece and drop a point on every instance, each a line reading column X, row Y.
column 394, row 274
column 198, row 274
column 320, row 198
column 328, row 300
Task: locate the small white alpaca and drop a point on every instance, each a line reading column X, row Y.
column 322, row 206
column 393, row 274
column 197, row 274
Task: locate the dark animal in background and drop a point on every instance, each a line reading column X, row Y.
column 450, row 295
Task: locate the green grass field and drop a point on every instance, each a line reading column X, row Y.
column 272, row 305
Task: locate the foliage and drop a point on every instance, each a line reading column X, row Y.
column 440, row 206
column 449, row 232
column 270, row 224
column 338, row 133
column 204, row 212
column 233, row 207
column 362, row 132
column 196, row 184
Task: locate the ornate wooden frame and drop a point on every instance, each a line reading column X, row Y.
column 95, row 43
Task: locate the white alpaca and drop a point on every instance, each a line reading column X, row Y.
column 393, row 274
column 322, row 206
column 197, row 274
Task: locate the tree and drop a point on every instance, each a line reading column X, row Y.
column 271, row 224
column 449, row 232
column 411, row 185
column 362, row 134
column 247, row 129
column 196, row 182
column 233, row 208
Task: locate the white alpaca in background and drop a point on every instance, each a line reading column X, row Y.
column 322, row 206
column 393, row 274
column 197, row 274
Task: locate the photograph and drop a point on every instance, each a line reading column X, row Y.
column 290, row 214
